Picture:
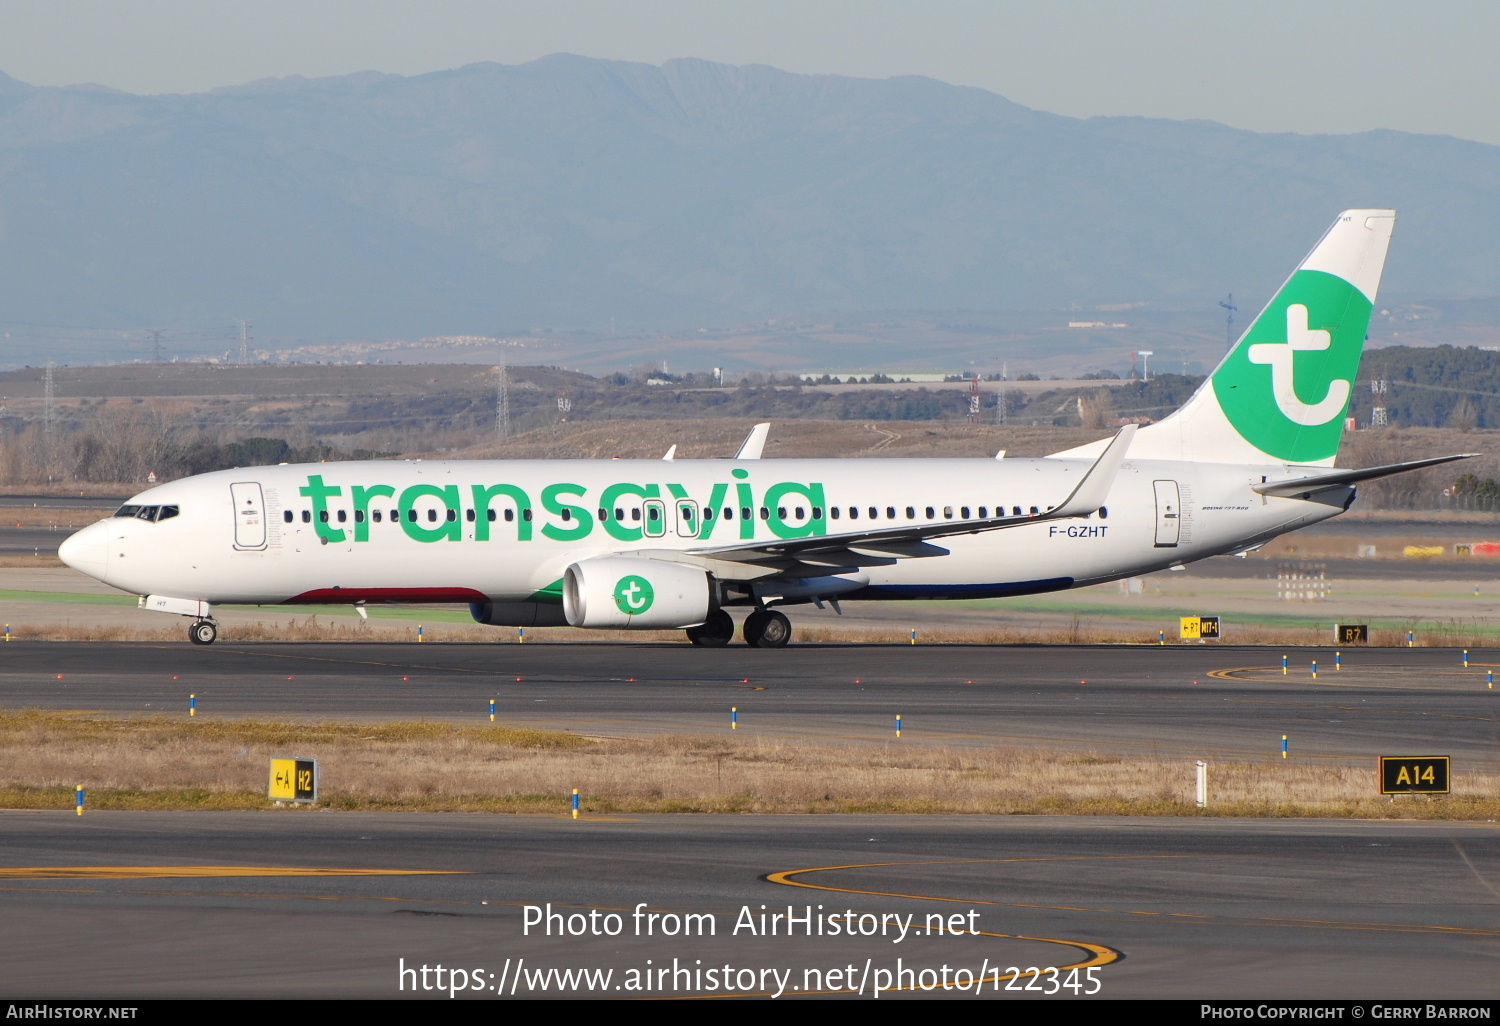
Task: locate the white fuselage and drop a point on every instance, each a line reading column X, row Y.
column 505, row 530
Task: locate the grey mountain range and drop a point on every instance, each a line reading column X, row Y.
column 493, row 199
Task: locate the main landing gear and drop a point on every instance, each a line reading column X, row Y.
column 764, row 628
column 767, row 628
column 203, row 632
column 715, row 632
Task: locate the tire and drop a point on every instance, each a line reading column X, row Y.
column 715, row 632
column 768, row 629
column 204, row 632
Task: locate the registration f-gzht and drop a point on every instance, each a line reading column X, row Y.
column 676, row 543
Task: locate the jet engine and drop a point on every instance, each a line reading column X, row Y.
column 635, row 594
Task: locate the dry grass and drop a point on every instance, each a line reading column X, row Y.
column 159, row 762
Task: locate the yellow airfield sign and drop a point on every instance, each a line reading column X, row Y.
column 1199, row 628
column 294, row 780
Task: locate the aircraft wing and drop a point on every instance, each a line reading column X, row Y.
column 826, row 553
column 1301, row 487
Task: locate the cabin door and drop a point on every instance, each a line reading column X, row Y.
column 1168, row 514
column 249, row 515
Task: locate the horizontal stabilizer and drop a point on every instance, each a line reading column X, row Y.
column 1306, row 485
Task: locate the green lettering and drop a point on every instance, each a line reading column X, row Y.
column 450, row 530
column 583, row 520
column 320, row 493
column 484, row 496
column 611, row 495
column 362, row 496
column 747, row 501
column 713, row 512
column 814, row 495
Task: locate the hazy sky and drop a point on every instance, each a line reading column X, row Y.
column 1267, row 65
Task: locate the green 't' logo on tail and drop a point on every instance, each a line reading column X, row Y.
column 1287, row 384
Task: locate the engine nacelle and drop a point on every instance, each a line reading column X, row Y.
column 630, row 593
column 518, row 614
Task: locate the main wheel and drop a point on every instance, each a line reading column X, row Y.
column 767, row 629
column 204, row 632
column 715, row 632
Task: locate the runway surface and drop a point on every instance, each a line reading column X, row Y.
column 204, row 904
column 313, row 903
column 1189, row 700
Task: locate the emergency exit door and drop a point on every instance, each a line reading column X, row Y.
column 1168, row 514
column 249, row 515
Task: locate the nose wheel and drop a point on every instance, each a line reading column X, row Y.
column 767, row 628
column 204, row 632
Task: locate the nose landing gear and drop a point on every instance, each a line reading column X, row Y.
column 203, row 632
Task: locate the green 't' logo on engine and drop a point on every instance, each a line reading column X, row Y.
column 634, row 595
column 1286, row 386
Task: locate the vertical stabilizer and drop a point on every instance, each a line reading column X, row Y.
column 1281, row 394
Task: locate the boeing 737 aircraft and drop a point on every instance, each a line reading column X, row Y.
column 652, row 544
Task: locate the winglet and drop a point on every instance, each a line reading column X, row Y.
column 754, row 443
column 1094, row 488
column 671, row 454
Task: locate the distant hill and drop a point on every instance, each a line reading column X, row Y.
column 569, row 191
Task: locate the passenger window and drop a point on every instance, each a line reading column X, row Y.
column 686, row 512
column 526, row 515
column 359, row 516
column 619, row 513
column 728, row 512
column 432, row 516
column 1103, row 512
column 890, row 512
column 708, row 512
column 653, row 514
column 800, row 513
column 780, row 512
column 635, row 514
column 745, row 513
column 375, row 516
column 1034, row 511
column 765, row 514
column 833, row 511
column 984, row 512
column 470, row 515
column 489, row 515
column 395, row 516
column 286, row 516
column 453, row 516
column 510, row 515
column 323, row 515
column 1015, row 511
column 853, row 512
column 948, row 513
column 567, row 514
column 911, row 513
column 343, row 516
column 930, row 512
column 964, row 512
column 306, row 517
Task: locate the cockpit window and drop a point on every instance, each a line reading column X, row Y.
column 151, row 513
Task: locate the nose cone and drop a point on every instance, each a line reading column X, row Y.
column 88, row 550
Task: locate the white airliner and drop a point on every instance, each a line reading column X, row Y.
column 652, row 544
